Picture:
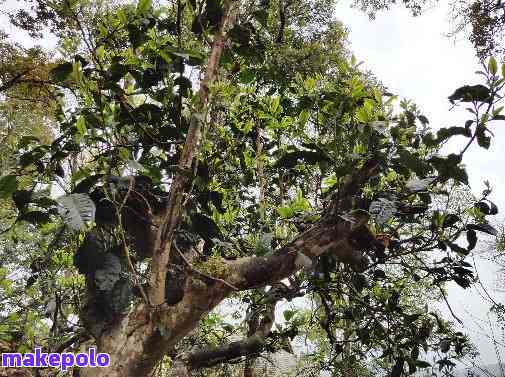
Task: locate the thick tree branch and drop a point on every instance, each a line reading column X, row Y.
column 13, row 81
column 170, row 220
column 210, row 357
column 252, row 345
column 330, row 235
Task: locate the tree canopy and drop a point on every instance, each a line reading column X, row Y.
column 181, row 170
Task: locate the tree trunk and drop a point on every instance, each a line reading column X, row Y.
column 140, row 340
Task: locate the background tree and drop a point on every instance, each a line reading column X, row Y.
column 484, row 22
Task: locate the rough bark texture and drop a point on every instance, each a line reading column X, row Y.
column 260, row 325
column 15, row 372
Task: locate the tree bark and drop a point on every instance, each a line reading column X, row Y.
column 261, row 322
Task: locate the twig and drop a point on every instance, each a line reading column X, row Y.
column 127, row 251
column 449, row 305
column 193, row 269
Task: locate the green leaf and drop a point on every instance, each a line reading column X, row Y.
column 261, row 16
column 412, row 366
column 450, row 220
column 100, row 52
column 494, row 209
column 463, row 282
column 379, row 274
column 285, row 212
column 448, row 168
column 8, row 185
column 483, row 140
column 486, row 228
column 76, row 210
column 205, row 227
column 483, row 207
column 423, row 119
column 288, row 314
column 27, row 140
column 415, row 184
column 484, row 118
column 291, row 159
column 32, row 157
column 44, row 202
column 143, row 6
column 117, row 71
column 240, row 34
column 192, row 57
column 274, row 106
column 81, row 125
column 136, row 36
column 445, row 133
column 497, row 111
column 246, row 76
column 79, row 58
column 194, row 60
column 148, row 113
column 87, row 183
column 471, row 93
column 36, row 217
column 503, row 70
column 429, row 140
column 412, row 161
column 61, row 72
column 166, row 57
column 492, row 66
column 459, row 174
column 184, row 85
column 21, row 199
column 124, row 153
column 422, row 364
column 303, row 117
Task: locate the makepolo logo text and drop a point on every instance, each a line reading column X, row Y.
column 63, row 361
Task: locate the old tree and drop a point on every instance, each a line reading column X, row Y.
column 208, row 155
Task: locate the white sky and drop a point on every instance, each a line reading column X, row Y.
column 414, row 59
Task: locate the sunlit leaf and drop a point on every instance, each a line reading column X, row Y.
column 416, row 184
column 143, row 6
column 8, row 185
column 76, row 210
column 492, row 66
column 382, row 210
